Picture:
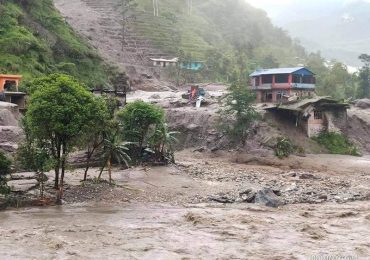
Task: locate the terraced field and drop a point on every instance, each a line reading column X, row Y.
column 145, row 37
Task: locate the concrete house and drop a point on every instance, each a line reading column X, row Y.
column 277, row 85
column 314, row 115
column 161, row 62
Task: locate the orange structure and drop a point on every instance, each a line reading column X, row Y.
column 7, row 81
column 9, row 90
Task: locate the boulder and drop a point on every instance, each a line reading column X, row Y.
column 268, row 198
column 22, row 185
column 192, row 127
column 23, row 175
column 155, row 96
column 200, row 149
column 222, row 198
column 363, row 103
column 10, row 134
column 9, row 114
column 247, row 196
column 10, row 148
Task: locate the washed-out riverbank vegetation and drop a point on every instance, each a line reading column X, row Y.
column 63, row 116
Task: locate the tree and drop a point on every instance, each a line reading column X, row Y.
column 162, row 141
column 364, row 77
column 337, row 83
column 137, row 119
column 34, row 156
column 155, row 7
column 59, row 113
column 238, row 113
column 190, row 6
column 94, row 138
column 5, row 164
column 113, row 150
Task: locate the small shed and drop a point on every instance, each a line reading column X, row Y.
column 315, row 115
column 192, row 65
column 9, row 82
column 162, row 62
column 9, row 90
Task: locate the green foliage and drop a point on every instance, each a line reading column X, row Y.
column 60, row 113
column 337, row 143
column 143, row 125
column 364, row 77
column 35, row 40
column 5, row 164
column 59, row 106
column 34, row 157
column 284, row 147
column 162, row 142
column 238, row 113
column 114, row 150
column 137, row 119
column 336, row 81
column 220, row 33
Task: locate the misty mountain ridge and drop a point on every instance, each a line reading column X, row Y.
column 338, row 29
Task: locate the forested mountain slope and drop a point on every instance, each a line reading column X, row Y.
column 338, row 28
column 226, row 34
column 35, row 40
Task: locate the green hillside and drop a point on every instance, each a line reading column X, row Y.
column 35, row 40
column 218, row 32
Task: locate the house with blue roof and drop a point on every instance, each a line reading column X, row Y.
column 277, row 85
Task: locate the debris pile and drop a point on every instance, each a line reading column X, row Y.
column 279, row 187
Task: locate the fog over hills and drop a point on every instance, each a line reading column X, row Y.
column 337, row 28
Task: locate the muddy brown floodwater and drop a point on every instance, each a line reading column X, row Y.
column 157, row 231
column 165, row 213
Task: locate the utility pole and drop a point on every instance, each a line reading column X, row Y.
column 190, row 6
column 156, row 7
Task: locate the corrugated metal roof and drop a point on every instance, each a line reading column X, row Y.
column 301, row 104
column 275, row 71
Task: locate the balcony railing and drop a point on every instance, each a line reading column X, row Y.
column 284, row 86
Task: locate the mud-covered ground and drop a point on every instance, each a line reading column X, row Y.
column 167, row 213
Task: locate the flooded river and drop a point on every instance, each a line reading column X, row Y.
column 157, row 231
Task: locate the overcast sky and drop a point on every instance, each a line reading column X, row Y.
column 274, row 7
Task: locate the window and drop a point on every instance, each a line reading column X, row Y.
column 267, row 79
column 317, row 115
column 296, row 79
column 281, row 78
column 307, row 79
column 10, row 85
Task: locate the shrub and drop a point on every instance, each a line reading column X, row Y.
column 337, row 143
column 284, row 147
column 137, row 119
column 5, row 164
column 237, row 113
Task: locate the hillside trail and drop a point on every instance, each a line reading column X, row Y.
column 99, row 22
